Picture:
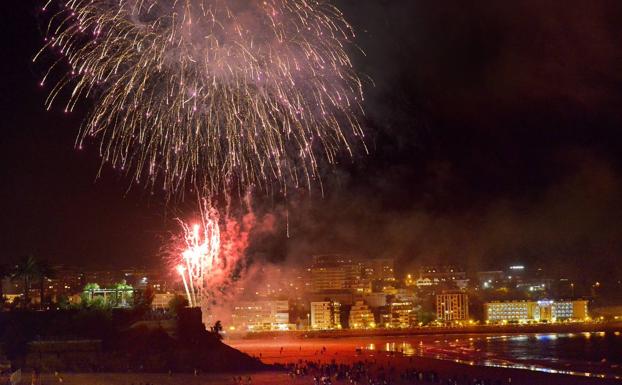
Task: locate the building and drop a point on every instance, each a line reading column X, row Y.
column 161, row 301
column 325, row 315
column 334, row 272
column 535, row 285
column 441, row 275
column 379, row 269
column 104, row 278
column 65, row 282
column 276, row 282
column 490, row 279
column 361, row 317
column 260, row 315
column 375, row 300
column 344, row 297
column 401, row 315
column 452, row 307
column 535, row 311
column 405, row 295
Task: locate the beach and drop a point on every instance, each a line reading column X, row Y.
column 305, row 361
column 348, row 351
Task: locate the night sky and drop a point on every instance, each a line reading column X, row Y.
column 493, row 129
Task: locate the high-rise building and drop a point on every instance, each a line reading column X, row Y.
column 452, row 307
column 334, row 272
column 379, row 269
column 535, row 311
column 325, row 315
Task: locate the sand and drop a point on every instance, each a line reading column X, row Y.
column 344, row 351
column 337, row 350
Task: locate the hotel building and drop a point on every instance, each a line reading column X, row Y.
column 535, row 311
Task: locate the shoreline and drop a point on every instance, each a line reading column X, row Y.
column 586, row 327
column 529, row 373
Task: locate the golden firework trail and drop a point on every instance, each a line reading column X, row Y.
column 209, row 92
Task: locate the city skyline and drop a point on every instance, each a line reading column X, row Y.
column 449, row 178
column 323, row 192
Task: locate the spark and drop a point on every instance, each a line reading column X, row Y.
column 210, row 92
column 200, row 259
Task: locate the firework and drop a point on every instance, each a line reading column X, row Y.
column 200, row 258
column 207, row 92
column 208, row 254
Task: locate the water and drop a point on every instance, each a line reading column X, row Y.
column 582, row 347
column 583, row 354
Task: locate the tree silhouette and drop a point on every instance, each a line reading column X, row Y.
column 177, row 303
column 26, row 270
column 216, row 329
column 43, row 271
column 4, row 272
column 143, row 301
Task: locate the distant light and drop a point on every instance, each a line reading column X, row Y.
column 517, row 267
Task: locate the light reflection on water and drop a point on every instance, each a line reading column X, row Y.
column 596, row 354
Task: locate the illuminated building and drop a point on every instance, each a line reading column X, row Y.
column 103, row 278
column 535, row 311
column 363, row 286
column 334, row 272
column 279, row 282
column 66, row 281
column 490, row 279
column 337, row 272
column 344, row 297
column 361, row 317
column 405, row 295
column 389, row 290
column 379, row 269
column 162, row 300
column 325, row 315
column 441, row 275
column 535, row 285
column 140, row 279
column 515, row 274
column 452, row 307
column 401, row 315
column 260, row 315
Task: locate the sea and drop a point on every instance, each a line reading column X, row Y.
column 593, row 354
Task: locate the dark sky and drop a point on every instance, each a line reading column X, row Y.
column 494, row 136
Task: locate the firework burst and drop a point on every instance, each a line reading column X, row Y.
column 200, row 258
column 210, row 92
column 208, row 254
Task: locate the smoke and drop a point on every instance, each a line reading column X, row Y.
column 487, row 143
column 575, row 217
column 218, row 244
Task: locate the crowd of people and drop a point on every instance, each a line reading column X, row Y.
column 372, row 372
